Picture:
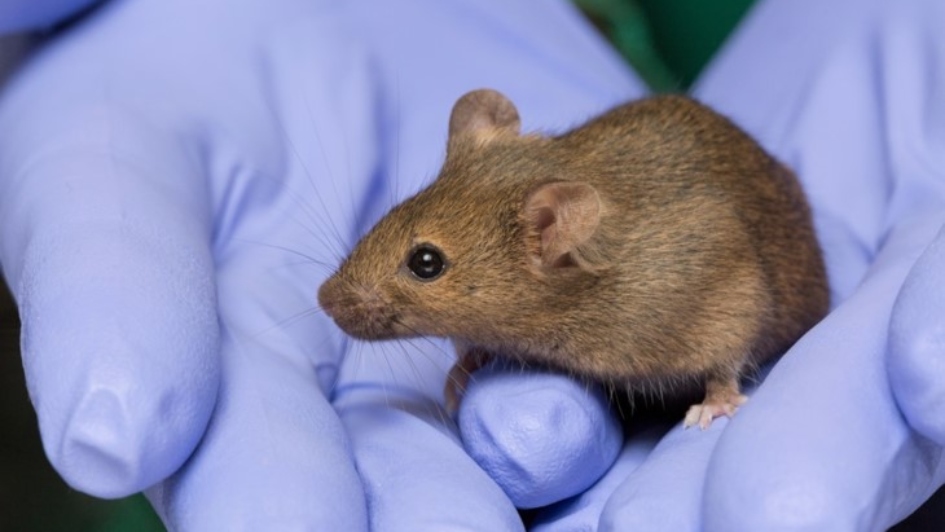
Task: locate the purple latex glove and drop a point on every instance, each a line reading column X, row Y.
column 917, row 340
column 177, row 178
column 852, row 95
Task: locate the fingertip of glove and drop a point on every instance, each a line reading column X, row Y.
column 104, row 449
column 121, row 355
column 916, row 341
column 95, row 454
column 915, row 370
column 541, row 437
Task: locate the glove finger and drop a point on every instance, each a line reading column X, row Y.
column 105, row 245
column 665, row 492
column 415, row 472
column 275, row 456
column 542, row 437
column 916, row 342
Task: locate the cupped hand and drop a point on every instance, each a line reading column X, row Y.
column 151, row 184
column 844, row 433
column 175, row 181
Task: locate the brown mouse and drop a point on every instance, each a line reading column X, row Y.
column 655, row 247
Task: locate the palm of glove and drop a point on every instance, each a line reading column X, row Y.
column 177, row 181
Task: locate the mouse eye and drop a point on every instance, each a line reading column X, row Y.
column 426, row 262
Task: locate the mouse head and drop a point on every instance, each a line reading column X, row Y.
column 480, row 248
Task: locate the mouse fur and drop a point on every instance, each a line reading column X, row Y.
column 654, row 246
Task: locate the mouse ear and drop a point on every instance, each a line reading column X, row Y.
column 559, row 218
column 484, row 113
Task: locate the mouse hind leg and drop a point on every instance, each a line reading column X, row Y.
column 722, row 398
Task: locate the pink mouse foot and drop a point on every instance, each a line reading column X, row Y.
column 703, row 414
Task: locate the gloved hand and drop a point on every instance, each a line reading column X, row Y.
column 846, row 432
column 177, row 178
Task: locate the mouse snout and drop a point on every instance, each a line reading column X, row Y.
column 336, row 294
column 328, row 296
column 357, row 309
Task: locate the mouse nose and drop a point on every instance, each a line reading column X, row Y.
column 336, row 293
column 328, row 296
column 357, row 309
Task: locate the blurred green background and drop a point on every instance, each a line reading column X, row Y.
column 667, row 41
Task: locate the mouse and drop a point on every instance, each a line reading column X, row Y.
column 655, row 247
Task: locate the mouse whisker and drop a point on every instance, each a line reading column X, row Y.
column 422, row 337
column 308, row 259
column 291, row 319
column 314, row 221
column 317, row 215
column 438, row 412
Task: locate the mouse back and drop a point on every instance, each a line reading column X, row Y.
column 657, row 241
